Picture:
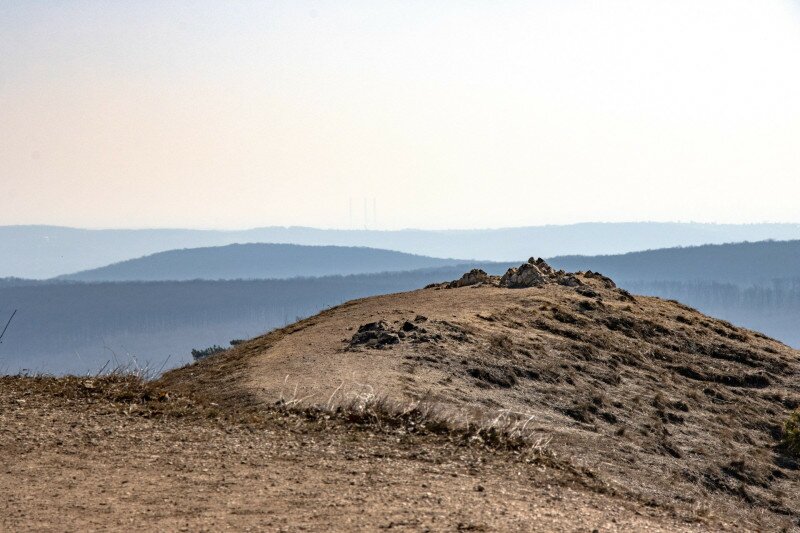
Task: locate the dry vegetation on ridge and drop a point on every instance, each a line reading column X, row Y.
column 558, row 407
column 656, row 399
column 118, row 454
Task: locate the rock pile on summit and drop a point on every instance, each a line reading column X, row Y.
column 534, row 273
column 473, row 277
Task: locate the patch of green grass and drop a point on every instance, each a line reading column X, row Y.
column 791, row 433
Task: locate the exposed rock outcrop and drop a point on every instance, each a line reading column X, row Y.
column 473, row 277
column 374, row 335
column 534, row 273
column 380, row 335
column 607, row 282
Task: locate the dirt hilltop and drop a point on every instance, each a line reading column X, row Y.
column 652, row 396
column 594, row 409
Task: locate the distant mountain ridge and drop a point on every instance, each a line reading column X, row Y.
column 744, row 264
column 74, row 325
column 260, row 261
column 47, row 251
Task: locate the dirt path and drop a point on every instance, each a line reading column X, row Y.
column 70, row 464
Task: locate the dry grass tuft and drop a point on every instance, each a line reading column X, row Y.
column 133, row 395
column 127, row 391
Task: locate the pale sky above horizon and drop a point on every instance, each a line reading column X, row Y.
column 450, row 114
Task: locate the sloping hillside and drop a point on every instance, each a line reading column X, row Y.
column 653, row 398
column 753, row 284
column 259, row 261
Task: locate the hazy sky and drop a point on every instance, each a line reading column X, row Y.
column 449, row 114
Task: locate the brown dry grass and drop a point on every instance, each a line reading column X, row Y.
column 656, row 400
column 120, row 454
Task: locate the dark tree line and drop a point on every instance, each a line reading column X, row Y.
column 744, row 264
column 80, row 326
column 56, row 320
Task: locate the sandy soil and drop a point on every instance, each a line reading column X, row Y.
column 73, row 461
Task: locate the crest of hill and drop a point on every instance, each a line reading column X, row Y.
column 651, row 397
column 259, row 261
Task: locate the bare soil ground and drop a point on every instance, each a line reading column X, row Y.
column 109, row 454
column 554, row 408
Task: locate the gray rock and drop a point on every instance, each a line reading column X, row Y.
column 527, row 275
column 473, row 277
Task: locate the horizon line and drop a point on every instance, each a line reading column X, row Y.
column 409, row 229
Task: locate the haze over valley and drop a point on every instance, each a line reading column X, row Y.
column 153, row 311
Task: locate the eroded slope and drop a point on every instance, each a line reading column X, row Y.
column 653, row 397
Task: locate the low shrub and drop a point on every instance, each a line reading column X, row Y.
column 206, row 352
column 791, row 433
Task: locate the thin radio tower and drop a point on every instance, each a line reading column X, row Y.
column 374, row 213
